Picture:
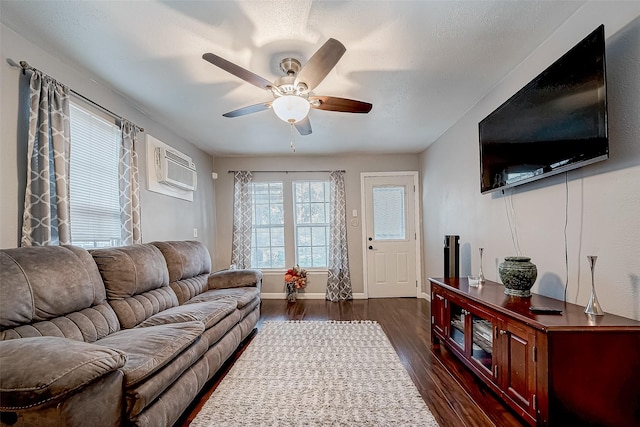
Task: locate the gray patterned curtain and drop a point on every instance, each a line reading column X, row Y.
column 129, row 186
column 46, row 213
column 338, row 281
column 241, row 245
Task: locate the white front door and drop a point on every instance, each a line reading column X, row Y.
column 390, row 233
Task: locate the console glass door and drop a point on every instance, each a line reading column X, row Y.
column 457, row 326
column 482, row 341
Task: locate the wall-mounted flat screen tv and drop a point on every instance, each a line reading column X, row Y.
column 555, row 123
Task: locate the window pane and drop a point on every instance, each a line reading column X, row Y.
column 275, row 193
column 261, row 215
column 319, row 256
column 304, row 256
column 301, row 190
column 317, row 192
column 277, row 214
column 317, row 213
column 277, row 236
column 304, row 236
column 389, row 213
column 303, row 213
column 263, row 238
column 311, row 205
column 267, row 242
column 319, row 235
column 277, row 258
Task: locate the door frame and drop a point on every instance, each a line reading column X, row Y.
column 417, row 228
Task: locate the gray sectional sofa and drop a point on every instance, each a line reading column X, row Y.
column 118, row 336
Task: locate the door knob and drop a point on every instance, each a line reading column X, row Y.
column 370, row 238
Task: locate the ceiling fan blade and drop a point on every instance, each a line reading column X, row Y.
column 304, row 126
column 248, row 110
column 331, row 103
column 320, row 64
column 238, row 71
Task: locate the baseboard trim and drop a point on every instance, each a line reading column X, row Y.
column 304, row 295
column 426, row 296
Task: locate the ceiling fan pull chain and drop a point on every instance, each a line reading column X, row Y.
column 293, row 147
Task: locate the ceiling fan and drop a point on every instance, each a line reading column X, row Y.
column 292, row 92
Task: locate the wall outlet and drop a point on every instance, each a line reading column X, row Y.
column 195, row 232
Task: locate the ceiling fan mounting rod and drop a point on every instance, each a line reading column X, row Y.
column 290, row 66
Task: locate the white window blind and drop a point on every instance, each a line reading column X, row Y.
column 93, row 186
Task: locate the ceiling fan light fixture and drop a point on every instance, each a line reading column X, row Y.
column 291, row 108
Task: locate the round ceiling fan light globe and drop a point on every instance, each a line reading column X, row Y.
column 291, row 108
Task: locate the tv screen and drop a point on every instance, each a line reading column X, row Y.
column 555, row 123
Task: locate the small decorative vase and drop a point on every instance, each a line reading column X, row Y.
column 481, row 274
column 593, row 307
column 292, row 292
column 518, row 274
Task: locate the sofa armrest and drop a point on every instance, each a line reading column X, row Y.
column 235, row 279
column 36, row 371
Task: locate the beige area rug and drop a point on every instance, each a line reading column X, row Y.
column 317, row 374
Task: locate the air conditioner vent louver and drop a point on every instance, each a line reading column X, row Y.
column 177, row 159
column 175, row 169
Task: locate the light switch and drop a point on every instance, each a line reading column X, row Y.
column 354, row 213
column 195, row 232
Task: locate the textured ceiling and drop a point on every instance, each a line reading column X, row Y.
column 422, row 64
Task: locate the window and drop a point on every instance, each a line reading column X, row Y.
column 93, row 180
column 290, row 224
column 389, row 213
column 267, row 234
column 311, row 206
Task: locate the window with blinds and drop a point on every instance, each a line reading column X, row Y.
column 311, row 204
column 93, row 182
column 267, row 235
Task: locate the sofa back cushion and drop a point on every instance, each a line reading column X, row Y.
column 136, row 281
column 189, row 265
column 53, row 291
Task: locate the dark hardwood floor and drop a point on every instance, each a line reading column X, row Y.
column 452, row 393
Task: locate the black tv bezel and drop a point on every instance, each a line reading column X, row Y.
column 571, row 166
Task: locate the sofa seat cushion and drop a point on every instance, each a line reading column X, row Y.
column 139, row 396
column 35, row 371
column 208, row 312
column 242, row 296
column 149, row 349
column 244, row 311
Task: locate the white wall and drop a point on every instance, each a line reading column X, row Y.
column 353, row 166
column 162, row 217
column 603, row 199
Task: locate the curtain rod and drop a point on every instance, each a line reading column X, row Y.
column 25, row 66
column 327, row 171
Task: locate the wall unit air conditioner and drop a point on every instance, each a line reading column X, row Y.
column 175, row 169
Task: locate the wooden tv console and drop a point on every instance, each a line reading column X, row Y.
column 552, row 369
